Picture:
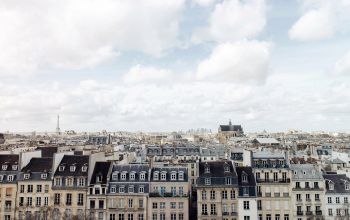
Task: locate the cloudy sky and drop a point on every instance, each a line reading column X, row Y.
column 174, row 64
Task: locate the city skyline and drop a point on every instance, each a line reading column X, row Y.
column 175, row 65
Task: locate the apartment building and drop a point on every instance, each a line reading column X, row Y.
column 97, row 193
column 70, row 185
column 169, row 194
column 272, row 176
column 8, row 185
column 307, row 192
column 247, row 194
column 217, row 191
column 337, row 196
column 128, row 191
column 34, row 196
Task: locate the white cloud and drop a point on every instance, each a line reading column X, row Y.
column 245, row 61
column 321, row 19
column 342, row 66
column 233, row 20
column 203, row 3
column 315, row 24
column 147, row 74
column 79, row 34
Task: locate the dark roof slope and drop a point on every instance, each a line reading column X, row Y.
column 339, row 181
column 248, row 171
column 47, row 151
column 101, row 168
column 69, row 160
column 38, row 164
column 8, row 159
column 217, row 169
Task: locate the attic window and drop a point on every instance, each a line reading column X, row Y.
column 26, row 176
column 227, row 168
column 207, row 169
column 163, row 176
column 72, row 168
column 10, row 178
column 61, row 168
column 132, row 176
column 181, row 175
column 244, row 178
column 207, row 181
column 331, row 186
column 295, row 172
column 43, row 175
column 142, row 176
column 84, row 168
column 155, row 176
column 4, row 167
column 14, row 167
column 347, row 186
column 123, row 176
column 99, row 178
column 114, row 176
column 173, row 176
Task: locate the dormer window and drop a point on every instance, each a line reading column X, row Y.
column 207, row 181
column 26, row 176
column 173, row 176
column 10, row 178
column 132, row 176
column 84, row 168
column 72, row 168
column 4, row 167
column 123, row 176
column 113, row 189
column 142, row 176
column 114, row 176
column 244, row 178
column 156, row 176
column 295, row 172
column 57, row 181
column 131, row 189
column 347, row 186
column 1, row 178
column 227, row 168
column 99, row 178
column 14, row 167
column 61, row 168
column 43, row 176
column 331, row 186
column 207, row 169
column 228, row 181
column 163, row 176
column 181, row 175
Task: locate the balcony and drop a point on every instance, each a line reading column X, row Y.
column 225, row 213
column 157, row 194
column 204, row 213
column 277, row 194
column 318, row 212
column 299, row 213
column 234, row 213
column 308, row 213
column 8, row 209
column 271, row 181
column 285, row 194
column 307, row 189
column 267, row 194
column 213, row 213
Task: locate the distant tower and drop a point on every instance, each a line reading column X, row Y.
column 58, row 130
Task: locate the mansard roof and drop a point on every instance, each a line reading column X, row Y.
column 73, row 160
column 100, row 169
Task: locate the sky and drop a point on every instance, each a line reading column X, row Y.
column 170, row 65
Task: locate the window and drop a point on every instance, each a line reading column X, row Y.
column 57, row 181
column 329, row 199
column 121, row 217
column 26, row 176
column 246, row 217
column 123, row 176
column 228, row 181
column 112, row 217
column 141, row 216
column 69, row 181
column 38, row 188
column 173, row 190
column 21, row 189
column 113, row 189
column 317, row 197
column 347, row 186
column 204, row 195
column 275, row 177
column 130, row 203
column 115, row 176
column 277, row 217
column 337, row 200
column 84, row 168
column 297, row 185
column 227, row 168
column 29, row 188
column 162, row 216
column 142, row 176
column 315, row 184
column 72, row 168
column 207, row 169
column 204, row 209
column 212, row 194
column 131, row 189
column 162, row 205
column 140, row 203
column 173, row 176
column 181, row 216
column 14, row 167
column 69, row 199
column 163, row 176
column 173, row 205
column 141, row 189
column 181, row 190
column 132, row 176
column 181, row 205
column 286, row 217
column 155, row 205
column 307, row 185
column 207, row 181
column 121, row 189
column 38, row 201
column 246, row 205
column 29, row 201
column 10, row 178
column 80, row 199
column 224, row 194
column 43, row 176
column 181, row 175
column 330, row 212
column 233, row 194
column 331, row 186
column 92, row 204
column 345, row 199
column 4, row 167
column 244, row 178
column 212, row 209
column 155, row 176
column 61, row 168
column 173, row 216
column 307, row 197
column 46, row 201
column 57, row 199
column 130, row 216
